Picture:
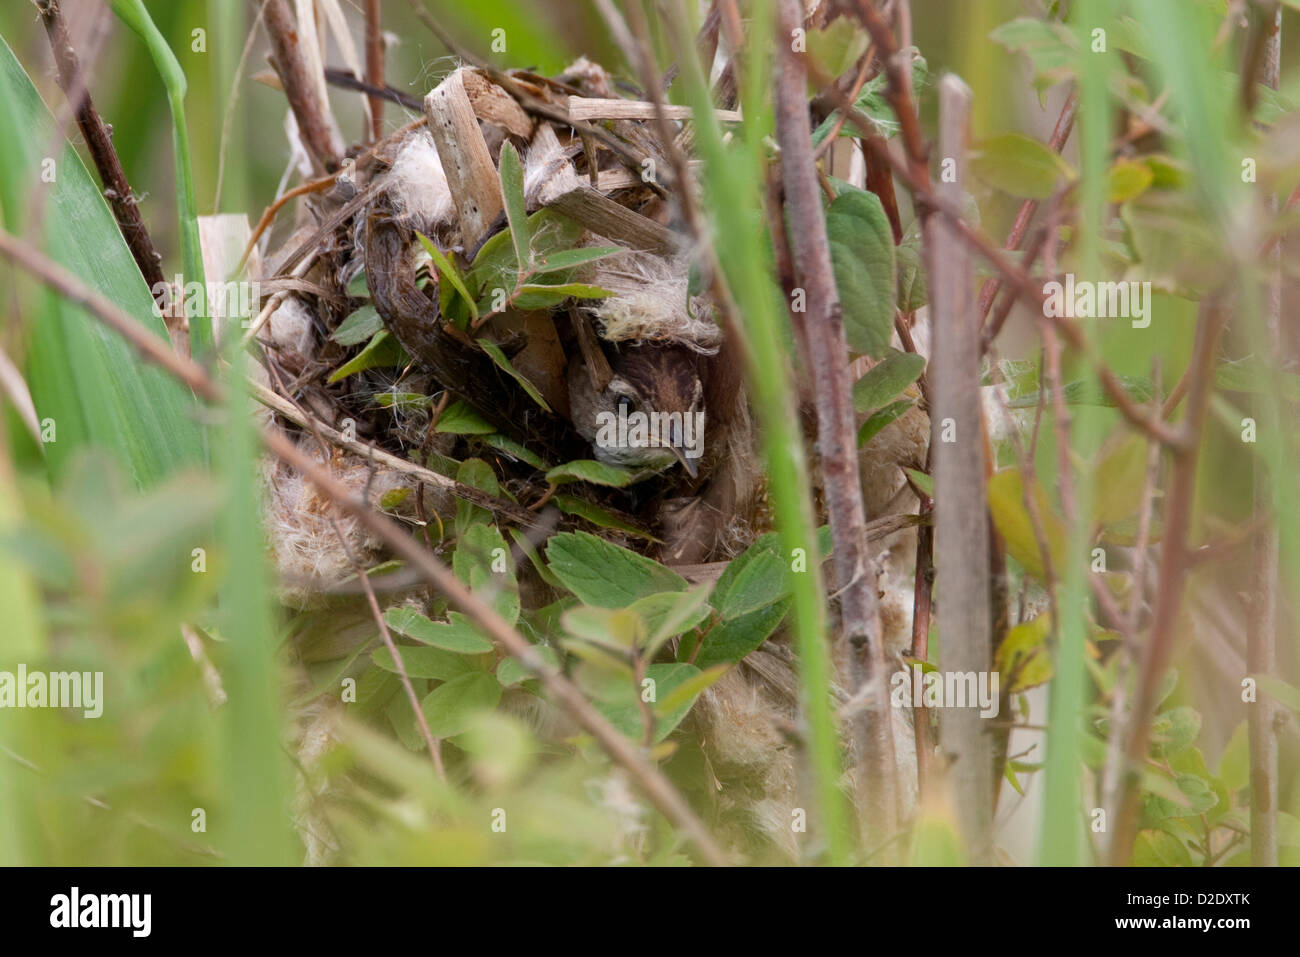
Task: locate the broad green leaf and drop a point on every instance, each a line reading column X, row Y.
column 382, row 351
column 1174, row 730
column 458, row 635
column 80, row 375
column 499, row 358
column 756, row 578
column 503, row 443
column 511, row 672
column 1252, row 376
column 459, row 419
column 590, row 470
column 680, row 699
column 922, row 481
column 483, row 562
column 358, row 327
column 1119, row 477
column 1128, row 179
column 876, row 423
column 1006, row 496
column 1019, row 165
column 624, row 710
column 425, row 662
column 913, row 292
column 603, row 574
column 450, row 707
column 862, row 254
column 1049, row 46
column 730, row 641
column 887, row 379
column 619, row 629
column 1022, row 658
column 669, row 614
column 512, row 191
column 560, row 260
column 479, row 475
column 1156, row 848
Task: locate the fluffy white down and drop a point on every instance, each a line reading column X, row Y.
column 650, row 302
column 417, row 185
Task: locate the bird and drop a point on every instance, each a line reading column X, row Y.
column 641, row 406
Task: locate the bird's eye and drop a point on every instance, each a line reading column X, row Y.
column 625, row 403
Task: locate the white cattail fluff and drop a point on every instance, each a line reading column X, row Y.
column 417, row 185
column 651, row 300
column 548, row 172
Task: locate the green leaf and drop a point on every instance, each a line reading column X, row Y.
column 89, row 381
column 862, row 254
column 382, row 351
column 450, row 707
column 886, row 379
column 447, row 270
column 358, row 287
column 669, row 614
column 457, row 635
column 540, row 296
column 1019, row 165
column 756, row 578
column 1234, row 763
column 572, row 505
column 732, row 640
column 878, row 420
column 499, row 358
column 603, row 574
column 1022, row 659
column 674, row 705
column 479, row 475
column 459, row 419
column 1121, row 474
column 913, row 292
column 1251, row 376
column 358, row 327
column 1050, row 47
column 503, row 443
column 1285, row 694
column 1006, row 496
column 624, row 709
column 483, row 562
column 922, row 481
column 1174, row 730
column 560, row 260
column 589, row 470
column 1090, row 392
column 1128, row 179
column 511, row 672
column 425, row 662
column 512, row 191
column 1156, row 848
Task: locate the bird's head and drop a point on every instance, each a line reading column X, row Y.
column 645, row 409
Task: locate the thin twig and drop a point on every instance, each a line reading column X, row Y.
column 827, row 351
column 300, row 88
column 375, row 67
column 100, row 144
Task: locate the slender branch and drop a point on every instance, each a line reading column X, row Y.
column 960, row 500
column 375, row 67
column 1173, row 568
column 649, row 778
column 827, row 355
column 100, row 144
column 300, row 88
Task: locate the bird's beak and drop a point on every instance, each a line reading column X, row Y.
column 691, row 465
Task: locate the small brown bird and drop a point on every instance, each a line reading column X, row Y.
column 640, row 407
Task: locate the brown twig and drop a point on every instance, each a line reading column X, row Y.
column 649, row 778
column 827, row 352
column 300, row 88
column 961, row 502
column 1060, row 134
column 100, row 144
column 1173, row 567
column 375, row 67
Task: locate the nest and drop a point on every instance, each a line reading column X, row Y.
column 421, row 216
